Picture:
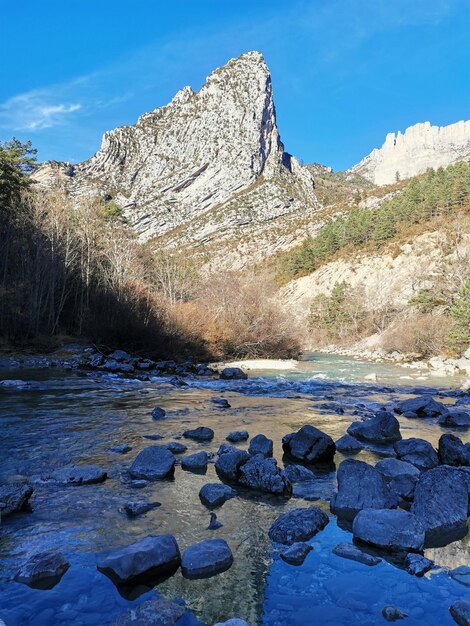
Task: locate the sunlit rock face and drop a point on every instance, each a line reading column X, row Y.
column 210, row 160
column 420, row 147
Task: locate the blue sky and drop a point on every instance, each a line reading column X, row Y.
column 345, row 72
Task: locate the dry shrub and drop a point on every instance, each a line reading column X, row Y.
column 420, row 333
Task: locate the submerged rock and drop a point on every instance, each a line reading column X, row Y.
column 461, row 574
column 43, row 570
column 229, row 463
column 460, row 612
column 215, row 494
column 382, row 428
column 79, row 475
column 392, row 614
column 195, row 462
column 298, row 525
column 392, row 530
column 153, row 463
column 237, row 435
column 296, row 553
column 418, row 452
column 206, row 559
column 452, row 451
column 260, row 444
column 121, row 448
column 14, row 497
column 263, row 474
column 418, row 565
column 353, row 553
column 309, row 445
column 202, row 433
column 346, row 443
column 233, row 622
column 152, row 613
column 233, row 373
column 146, row 559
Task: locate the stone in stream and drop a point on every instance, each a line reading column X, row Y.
column 460, row 612
column 229, row 462
column 214, row 523
column 121, row 448
column 298, row 473
column 79, row 475
column 237, row 435
column 353, row 553
column 260, row 444
column 383, row 428
column 215, row 494
column 455, row 419
column 360, row 486
column 195, row 462
column 461, row 574
column 158, row 413
column 43, row 570
column 441, row 505
column 417, row 565
column 392, row 614
column 146, row 559
column 346, row 444
column 309, row 445
column 153, row 463
column 14, row 496
column 152, row 613
column 453, row 452
column 233, row 373
column 175, row 447
column 298, row 525
column 206, row 559
column 423, row 406
column 263, row 474
column 134, row 509
column 391, row 530
column 202, row 433
column 418, row 452
column 222, row 402
column 296, row 553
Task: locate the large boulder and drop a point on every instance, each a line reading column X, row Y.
column 455, row 419
column 263, row 474
column 233, row 373
column 43, row 570
column 147, row 559
column 14, row 497
column 460, row 612
column 391, row 530
column 229, row 461
column 79, row 475
column 418, row 452
column 441, row 504
column 206, row 559
column 298, row 525
column 215, row 494
column 382, row 428
column 201, row 433
column 195, row 462
column 309, row 445
column 260, row 444
column 453, row 452
column 360, row 486
column 422, row 406
column 153, row 463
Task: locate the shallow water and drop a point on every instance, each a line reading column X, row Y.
column 65, row 418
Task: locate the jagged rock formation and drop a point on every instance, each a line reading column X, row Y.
column 420, row 147
column 202, row 169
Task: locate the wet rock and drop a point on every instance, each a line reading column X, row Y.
column 298, row 525
column 296, row 553
column 134, row 509
column 346, row 444
column 153, row 463
column 423, row 406
column 418, row 565
column 418, row 452
column 154, row 437
column 460, row 612
column 202, row 433
column 453, row 452
column 455, row 419
column 222, row 402
column 214, row 523
column 309, row 445
column 261, row 445
column 392, row 614
column 263, row 474
column 233, row 373
column 146, row 559
column 195, row 462
column 382, row 428
column 298, row 473
column 138, row 484
column 158, row 413
column 441, row 504
column 79, row 475
column 229, row 463
column 206, row 559
column 43, row 570
column 121, row 448
column 215, row 494
column 175, row 447
column 360, row 486
column 14, row 497
column 237, row 435
column 392, row 530
column 461, row 574
column 152, row 613
column 353, row 553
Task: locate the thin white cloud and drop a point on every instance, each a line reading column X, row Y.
column 34, row 111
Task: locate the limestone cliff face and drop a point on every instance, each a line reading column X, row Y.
column 207, row 164
column 420, row 147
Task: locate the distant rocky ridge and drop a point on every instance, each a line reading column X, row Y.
column 420, row 147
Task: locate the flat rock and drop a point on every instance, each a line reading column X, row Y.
column 146, row 559
column 158, row 413
column 353, row 553
column 43, row 570
column 418, row 452
column 79, row 475
column 229, row 462
column 417, row 565
column 346, row 444
column 263, row 474
column 391, row 530
column 206, row 559
column 153, row 463
column 152, row 613
column 215, row 494
column 260, row 444
column 422, row 406
column 309, row 444
column 298, row 473
column 14, row 497
column 298, row 525
column 195, row 462
column 176, row 448
column 233, row 373
column 452, row 451
column 202, row 433
column 237, row 435
column 134, row 509
column 460, row 612
column 383, row 428
column 296, row 553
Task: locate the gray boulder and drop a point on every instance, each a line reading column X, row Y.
column 14, row 497
column 298, row 525
column 195, row 462
column 418, row 452
column 152, row 613
column 346, row 444
column 261, row 445
column 353, row 553
column 453, row 452
column 455, row 419
column 215, row 494
column 391, row 530
column 296, row 553
column 43, row 570
column 153, row 463
column 417, row 565
column 460, row 612
column 79, row 475
column 202, row 433
column 309, row 445
column 229, row 462
column 206, row 559
column 360, row 486
column 146, row 559
column 298, row 473
column 382, row 428
column 237, row 435
column 263, row 474
column 441, row 504
column 233, row 373
column 422, row 406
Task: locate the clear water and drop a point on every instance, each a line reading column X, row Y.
column 64, row 418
